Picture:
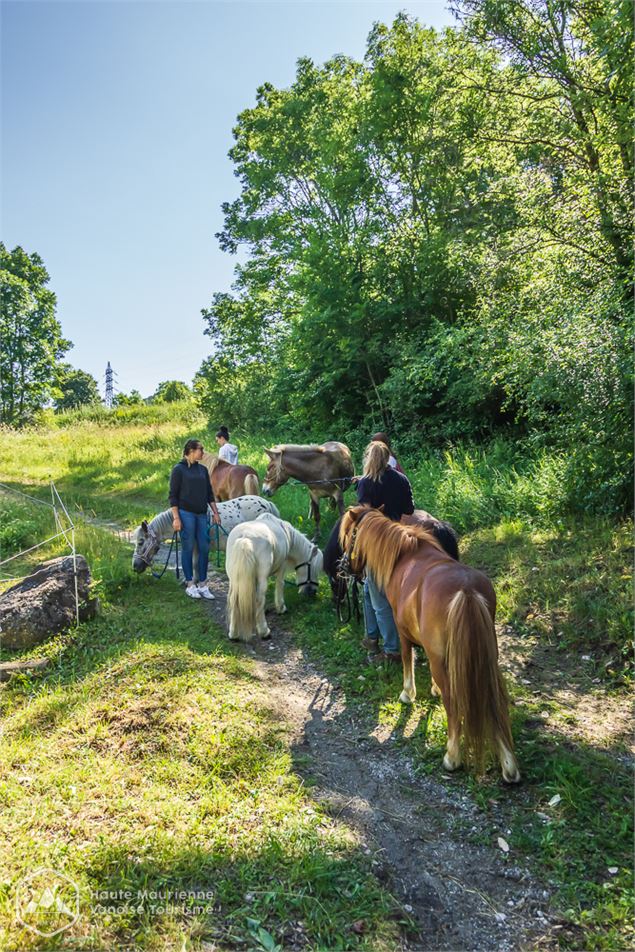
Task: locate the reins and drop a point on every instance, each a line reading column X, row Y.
column 349, row 593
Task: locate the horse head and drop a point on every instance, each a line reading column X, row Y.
column 352, row 561
column 276, row 475
column 146, row 547
column 307, row 573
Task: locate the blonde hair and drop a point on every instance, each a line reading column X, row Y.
column 376, row 456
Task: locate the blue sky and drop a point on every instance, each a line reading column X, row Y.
column 116, row 122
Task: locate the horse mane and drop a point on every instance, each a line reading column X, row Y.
column 382, row 542
column 281, row 447
column 210, row 461
column 299, row 539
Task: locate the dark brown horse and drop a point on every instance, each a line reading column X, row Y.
column 448, row 609
column 229, row 481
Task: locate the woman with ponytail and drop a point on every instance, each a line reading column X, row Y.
column 382, row 486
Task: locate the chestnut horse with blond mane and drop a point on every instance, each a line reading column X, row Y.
column 229, row 480
column 448, row 608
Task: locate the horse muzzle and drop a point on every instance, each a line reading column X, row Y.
column 309, row 589
column 267, row 490
column 139, row 565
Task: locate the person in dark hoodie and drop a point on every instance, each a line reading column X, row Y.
column 382, row 487
column 190, row 494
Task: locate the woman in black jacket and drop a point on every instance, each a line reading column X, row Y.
column 382, row 486
column 190, row 494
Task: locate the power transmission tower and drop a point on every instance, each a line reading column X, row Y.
column 109, row 396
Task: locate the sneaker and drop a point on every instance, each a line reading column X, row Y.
column 204, row 592
column 192, row 591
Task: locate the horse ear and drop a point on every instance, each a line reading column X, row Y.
column 314, row 552
column 144, row 525
column 271, row 453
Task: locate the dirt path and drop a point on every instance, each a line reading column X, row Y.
column 460, row 896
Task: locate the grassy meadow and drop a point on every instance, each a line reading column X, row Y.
column 145, row 757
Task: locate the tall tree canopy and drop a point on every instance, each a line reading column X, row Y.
column 171, row 391
column 31, row 339
column 75, row 388
column 439, row 239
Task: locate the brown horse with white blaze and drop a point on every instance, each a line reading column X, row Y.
column 448, row 608
column 229, row 481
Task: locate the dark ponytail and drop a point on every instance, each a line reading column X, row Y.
column 192, row 445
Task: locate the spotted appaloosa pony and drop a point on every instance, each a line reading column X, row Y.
column 267, row 546
column 448, row 609
column 149, row 535
column 228, row 480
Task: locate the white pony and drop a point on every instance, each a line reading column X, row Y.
column 256, row 550
column 149, row 536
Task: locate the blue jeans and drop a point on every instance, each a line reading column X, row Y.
column 378, row 616
column 195, row 527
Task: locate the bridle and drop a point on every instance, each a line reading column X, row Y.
column 151, row 537
column 308, row 580
column 349, row 591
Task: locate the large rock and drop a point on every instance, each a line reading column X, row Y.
column 44, row 603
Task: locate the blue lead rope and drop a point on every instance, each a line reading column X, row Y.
column 218, row 530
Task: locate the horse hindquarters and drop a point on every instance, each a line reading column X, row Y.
column 251, row 485
column 477, row 695
column 242, row 571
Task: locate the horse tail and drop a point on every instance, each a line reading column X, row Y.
column 241, row 601
column 252, row 485
column 477, row 691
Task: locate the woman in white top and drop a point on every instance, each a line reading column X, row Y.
column 226, row 450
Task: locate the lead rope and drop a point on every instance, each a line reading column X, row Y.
column 174, row 540
column 218, row 530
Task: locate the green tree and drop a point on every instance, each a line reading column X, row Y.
column 171, row 391
column 439, row 242
column 31, row 339
column 570, row 63
column 75, row 388
column 127, row 400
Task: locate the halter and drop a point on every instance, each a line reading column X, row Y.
column 151, row 536
column 346, row 561
column 308, row 580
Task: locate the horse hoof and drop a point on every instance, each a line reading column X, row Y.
column 281, row 611
column 450, row 765
column 435, row 691
column 266, row 636
column 512, row 777
column 405, row 698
